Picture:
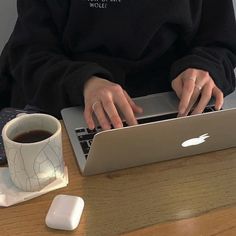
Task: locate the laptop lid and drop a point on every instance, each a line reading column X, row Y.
column 150, row 142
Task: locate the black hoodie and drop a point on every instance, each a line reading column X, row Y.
column 142, row 45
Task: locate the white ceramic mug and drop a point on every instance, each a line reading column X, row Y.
column 33, row 165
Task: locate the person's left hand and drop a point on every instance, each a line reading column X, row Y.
column 195, row 88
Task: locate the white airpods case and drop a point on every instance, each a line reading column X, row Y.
column 65, row 212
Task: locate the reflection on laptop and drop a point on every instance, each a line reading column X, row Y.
column 157, row 137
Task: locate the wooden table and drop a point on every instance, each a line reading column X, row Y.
column 188, row 196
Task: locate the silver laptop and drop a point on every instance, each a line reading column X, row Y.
column 159, row 136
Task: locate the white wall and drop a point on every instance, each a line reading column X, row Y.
column 8, row 15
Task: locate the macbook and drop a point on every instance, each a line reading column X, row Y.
column 159, row 136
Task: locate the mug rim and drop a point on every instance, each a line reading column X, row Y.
column 17, row 119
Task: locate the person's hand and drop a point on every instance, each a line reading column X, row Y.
column 195, row 88
column 105, row 98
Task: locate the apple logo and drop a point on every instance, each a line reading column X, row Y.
column 195, row 141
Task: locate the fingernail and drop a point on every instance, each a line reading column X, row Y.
column 91, row 127
column 118, row 125
column 107, row 127
column 181, row 113
column 217, row 108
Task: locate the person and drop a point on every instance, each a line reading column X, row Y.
column 102, row 53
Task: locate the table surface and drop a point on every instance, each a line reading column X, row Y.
column 189, row 196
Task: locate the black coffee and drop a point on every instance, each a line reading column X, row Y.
column 32, row 136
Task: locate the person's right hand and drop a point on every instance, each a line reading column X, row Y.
column 104, row 98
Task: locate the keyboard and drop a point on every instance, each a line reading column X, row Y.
column 85, row 135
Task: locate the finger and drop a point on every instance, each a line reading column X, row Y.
column 204, row 100
column 127, row 111
column 177, row 85
column 134, row 106
column 192, row 102
column 112, row 113
column 101, row 117
column 219, row 98
column 89, row 117
column 187, row 94
column 178, row 82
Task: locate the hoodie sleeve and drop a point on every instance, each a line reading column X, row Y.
column 39, row 64
column 213, row 48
